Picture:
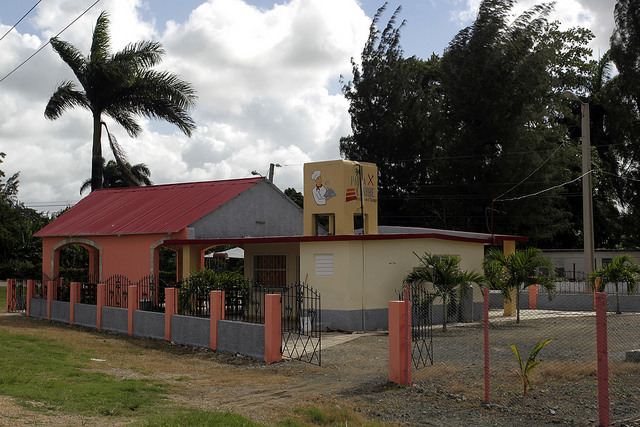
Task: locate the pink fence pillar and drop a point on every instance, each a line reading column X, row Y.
column 73, row 299
column 217, row 313
column 603, row 358
column 272, row 328
column 487, row 372
column 533, row 297
column 51, row 290
column 31, row 291
column 170, row 308
column 399, row 346
column 101, row 297
column 133, row 304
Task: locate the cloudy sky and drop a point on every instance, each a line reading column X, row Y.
column 266, row 72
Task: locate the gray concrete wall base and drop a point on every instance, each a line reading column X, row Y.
column 241, row 337
column 115, row 319
column 148, row 324
column 194, row 331
column 233, row 337
column 39, row 308
column 85, row 315
column 60, row 311
column 345, row 320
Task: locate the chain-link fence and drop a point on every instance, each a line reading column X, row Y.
column 563, row 387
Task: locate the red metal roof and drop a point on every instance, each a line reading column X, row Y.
column 151, row 209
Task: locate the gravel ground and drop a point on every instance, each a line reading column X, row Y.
column 354, row 375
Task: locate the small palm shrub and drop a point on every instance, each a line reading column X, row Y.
column 526, row 367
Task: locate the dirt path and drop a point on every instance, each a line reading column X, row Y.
column 354, row 375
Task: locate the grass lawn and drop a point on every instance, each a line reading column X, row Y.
column 54, row 378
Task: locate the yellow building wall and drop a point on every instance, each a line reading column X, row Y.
column 372, row 283
column 289, row 249
column 340, row 188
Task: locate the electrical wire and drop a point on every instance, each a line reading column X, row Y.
column 16, row 24
column 529, row 176
column 48, row 42
column 546, row 189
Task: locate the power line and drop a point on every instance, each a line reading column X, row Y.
column 545, row 190
column 48, row 42
column 534, row 171
column 16, row 24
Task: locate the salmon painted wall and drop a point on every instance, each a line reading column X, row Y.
column 129, row 255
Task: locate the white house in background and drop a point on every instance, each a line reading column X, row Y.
column 570, row 262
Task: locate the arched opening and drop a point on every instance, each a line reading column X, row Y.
column 221, row 258
column 168, row 266
column 76, row 260
column 74, row 263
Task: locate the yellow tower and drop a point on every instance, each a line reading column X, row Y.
column 340, row 196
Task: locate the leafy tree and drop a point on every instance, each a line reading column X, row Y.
column 389, row 96
column 113, row 177
column 623, row 103
column 20, row 250
column 502, row 91
column 121, row 85
column 625, row 47
column 449, row 134
column 621, row 269
column 294, row 195
column 517, row 271
column 443, row 272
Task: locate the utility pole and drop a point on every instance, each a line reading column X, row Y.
column 587, row 190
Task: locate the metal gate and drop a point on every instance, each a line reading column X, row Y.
column 16, row 295
column 421, row 324
column 301, row 320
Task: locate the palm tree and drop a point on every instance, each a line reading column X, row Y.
column 121, row 85
column 112, row 176
column 517, row 271
column 443, row 271
column 621, row 269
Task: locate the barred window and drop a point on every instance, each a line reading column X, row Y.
column 270, row 270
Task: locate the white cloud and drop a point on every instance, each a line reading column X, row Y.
column 262, row 78
column 597, row 15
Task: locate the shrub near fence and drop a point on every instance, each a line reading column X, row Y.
column 244, row 300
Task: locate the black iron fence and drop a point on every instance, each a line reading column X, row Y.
column 17, row 295
column 244, row 301
column 301, row 323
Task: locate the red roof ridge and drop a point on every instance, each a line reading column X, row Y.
column 148, row 209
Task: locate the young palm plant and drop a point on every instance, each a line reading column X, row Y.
column 122, row 86
column 517, row 271
column 443, row 272
column 526, row 367
column 621, row 269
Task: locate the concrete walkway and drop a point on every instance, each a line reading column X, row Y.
column 331, row 339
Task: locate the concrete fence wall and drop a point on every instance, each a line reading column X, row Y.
column 259, row 341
